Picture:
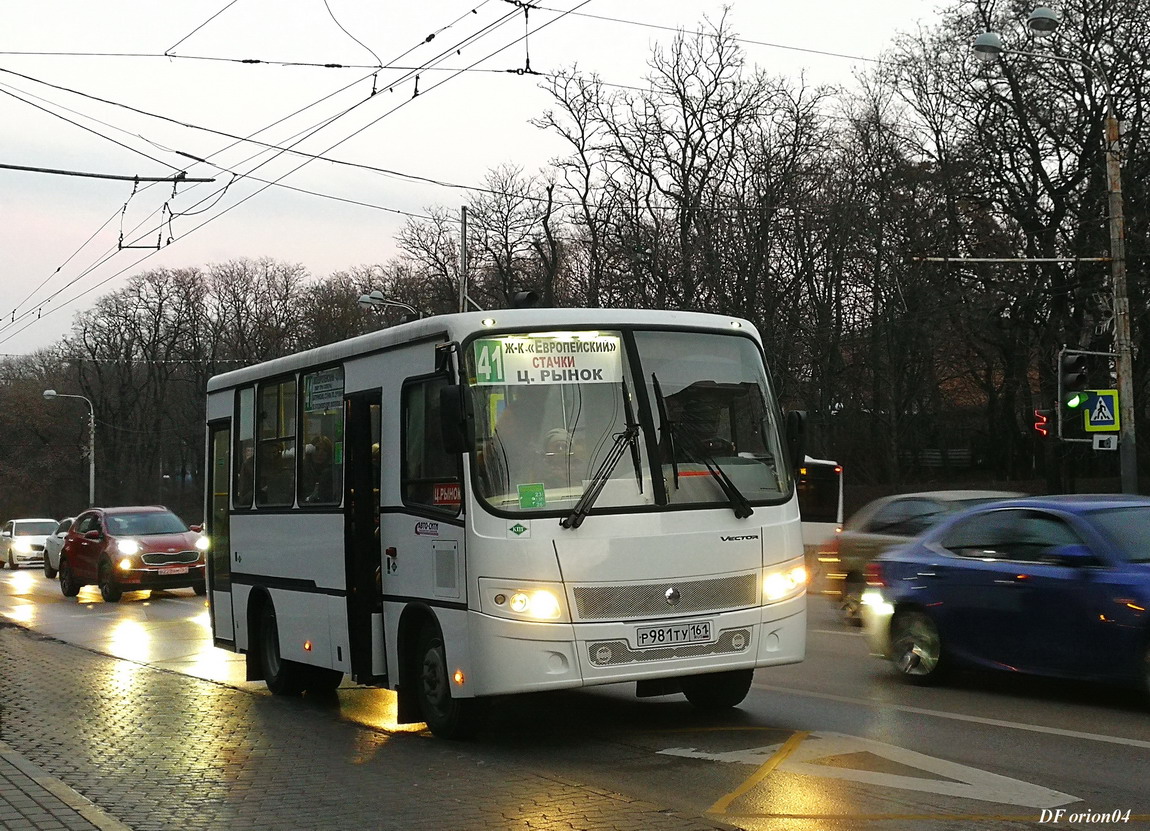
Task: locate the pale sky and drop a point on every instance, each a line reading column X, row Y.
column 183, row 60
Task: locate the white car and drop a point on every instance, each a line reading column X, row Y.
column 52, row 545
column 22, row 541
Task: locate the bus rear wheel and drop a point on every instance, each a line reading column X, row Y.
column 447, row 717
column 282, row 677
column 718, row 690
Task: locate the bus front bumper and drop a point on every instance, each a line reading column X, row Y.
column 511, row 656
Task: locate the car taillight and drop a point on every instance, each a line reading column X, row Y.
column 872, row 572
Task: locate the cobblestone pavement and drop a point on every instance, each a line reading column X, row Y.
column 89, row 741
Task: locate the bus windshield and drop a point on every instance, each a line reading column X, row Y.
column 556, row 413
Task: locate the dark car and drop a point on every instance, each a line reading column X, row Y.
column 1056, row 586
column 130, row 549
column 883, row 524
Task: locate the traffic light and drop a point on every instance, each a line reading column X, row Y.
column 1073, row 379
column 1042, row 422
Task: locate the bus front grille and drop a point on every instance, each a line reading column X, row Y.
column 616, row 652
column 673, row 597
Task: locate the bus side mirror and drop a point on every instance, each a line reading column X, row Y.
column 453, row 419
column 443, row 363
column 795, row 425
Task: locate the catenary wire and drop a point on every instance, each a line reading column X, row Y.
column 276, row 181
column 484, row 30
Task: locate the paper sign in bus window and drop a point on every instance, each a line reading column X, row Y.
column 532, row 495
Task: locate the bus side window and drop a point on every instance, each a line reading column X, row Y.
column 430, row 475
column 275, row 474
column 244, row 452
column 275, row 447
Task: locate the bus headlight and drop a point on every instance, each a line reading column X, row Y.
column 537, row 603
column 128, row 547
column 783, row 582
column 522, row 602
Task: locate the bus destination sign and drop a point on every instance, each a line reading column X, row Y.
column 552, row 358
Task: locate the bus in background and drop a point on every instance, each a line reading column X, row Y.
column 482, row 504
column 819, row 483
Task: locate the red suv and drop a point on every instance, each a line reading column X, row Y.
column 131, row 549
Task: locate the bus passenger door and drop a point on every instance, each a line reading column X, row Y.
column 361, row 535
column 218, row 530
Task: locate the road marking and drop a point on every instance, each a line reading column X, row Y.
column 815, row 757
column 855, row 634
column 784, row 750
column 993, row 722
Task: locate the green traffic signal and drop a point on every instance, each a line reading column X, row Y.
column 1076, row 400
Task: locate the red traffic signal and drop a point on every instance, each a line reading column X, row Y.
column 1042, row 422
column 1074, row 372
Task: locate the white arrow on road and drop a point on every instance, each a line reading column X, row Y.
column 812, row 758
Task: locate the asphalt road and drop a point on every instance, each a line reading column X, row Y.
column 834, row 742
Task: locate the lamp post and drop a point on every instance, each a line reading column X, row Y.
column 376, row 298
column 988, row 46
column 50, row 394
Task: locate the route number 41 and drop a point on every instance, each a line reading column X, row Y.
column 489, row 362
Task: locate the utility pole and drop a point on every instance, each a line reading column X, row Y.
column 463, row 261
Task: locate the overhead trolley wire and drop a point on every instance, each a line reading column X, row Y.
column 278, row 181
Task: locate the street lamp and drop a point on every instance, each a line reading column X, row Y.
column 376, row 298
column 50, row 394
column 988, row 46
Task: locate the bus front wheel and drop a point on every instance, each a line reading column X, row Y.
column 445, row 716
column 718, row 690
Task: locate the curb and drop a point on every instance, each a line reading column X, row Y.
column 70, row 798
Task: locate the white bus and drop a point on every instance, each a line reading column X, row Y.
column 480, row 504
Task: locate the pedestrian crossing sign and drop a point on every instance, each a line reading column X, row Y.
column 1101, row 412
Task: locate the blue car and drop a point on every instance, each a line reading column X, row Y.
column 1056, row 586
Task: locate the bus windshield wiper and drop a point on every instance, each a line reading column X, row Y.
column 629, row 415
column 666, row 428
column 739, row 503
column 628, row 437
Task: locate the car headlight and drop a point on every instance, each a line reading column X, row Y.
column 202, row 544
column 22, row 547
column 522, row 602
column 873, row 600
column 128, row 547
column 785, row 581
